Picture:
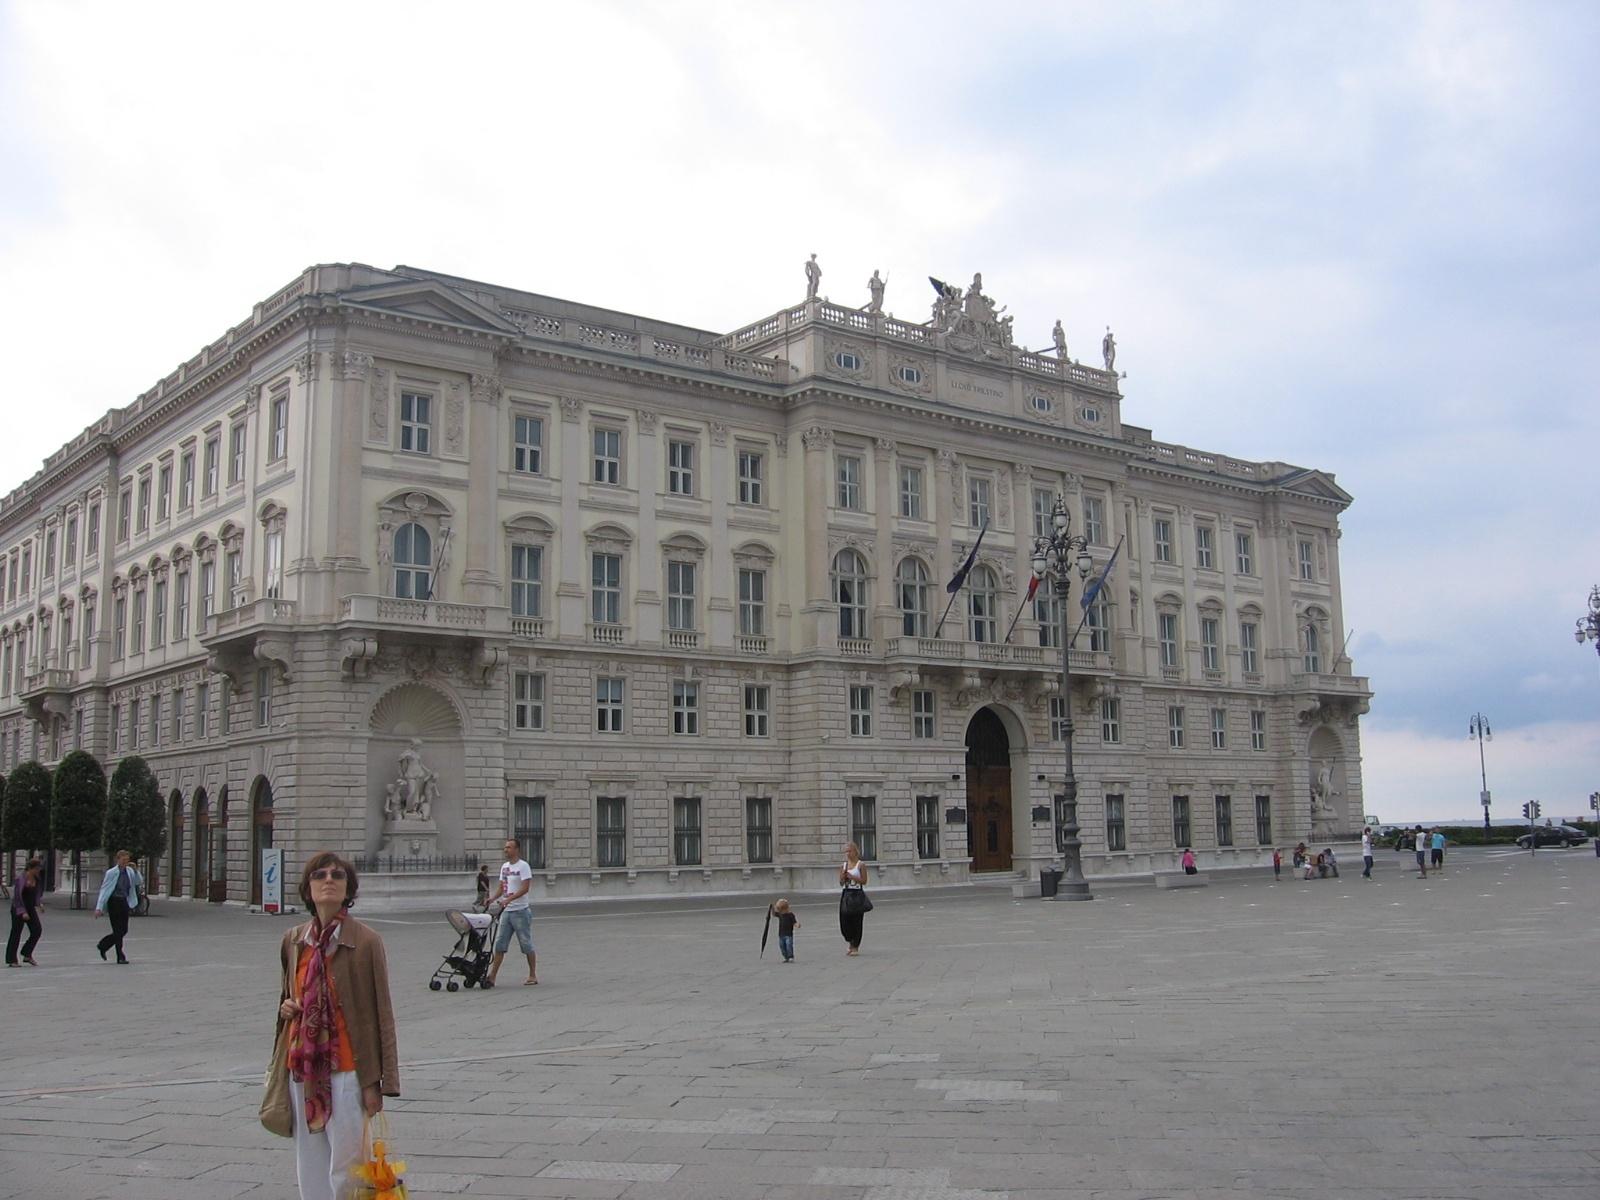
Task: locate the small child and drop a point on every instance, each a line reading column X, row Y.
column 1277, row 865
column 787, row 924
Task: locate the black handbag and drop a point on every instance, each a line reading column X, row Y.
column 855, row 902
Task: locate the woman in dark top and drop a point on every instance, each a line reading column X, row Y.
column 25, row 911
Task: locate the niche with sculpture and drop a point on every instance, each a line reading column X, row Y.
column 415, row 774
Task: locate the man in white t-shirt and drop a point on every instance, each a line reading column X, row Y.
column 1366, row 852
column 516, row 914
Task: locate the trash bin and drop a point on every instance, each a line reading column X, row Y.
column 1049, row 883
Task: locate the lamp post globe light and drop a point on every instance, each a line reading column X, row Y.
column 1055, row 556
column 1588, row 629
column 1478, row 727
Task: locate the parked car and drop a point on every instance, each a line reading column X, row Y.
column 1554, row 835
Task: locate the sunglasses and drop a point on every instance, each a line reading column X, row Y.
column 321, row 873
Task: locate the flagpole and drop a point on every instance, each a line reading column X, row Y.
column 938, row 628
column 959, row 579
column 1020, row 610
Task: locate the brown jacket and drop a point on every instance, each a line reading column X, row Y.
column 361, row 983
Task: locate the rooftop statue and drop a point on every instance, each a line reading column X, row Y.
column 875, row 285
column 1108, row 349
column 1059, row 336
column 813, row 278
column 971, row 322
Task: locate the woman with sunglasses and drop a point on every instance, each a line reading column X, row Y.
column 340, row 1054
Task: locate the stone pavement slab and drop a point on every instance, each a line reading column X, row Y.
column 1386, row 1038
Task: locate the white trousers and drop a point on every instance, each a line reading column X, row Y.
column 323, row 1160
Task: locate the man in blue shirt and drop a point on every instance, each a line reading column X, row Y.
column 119, row 893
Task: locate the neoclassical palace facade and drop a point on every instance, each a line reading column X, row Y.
column 403, row 563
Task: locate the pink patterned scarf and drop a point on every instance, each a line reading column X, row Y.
column 313, row 1048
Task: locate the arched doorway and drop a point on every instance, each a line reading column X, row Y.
column 200, row 859
column 988, row 792
column 175, row 846
column 219, row 849
column 260, row 832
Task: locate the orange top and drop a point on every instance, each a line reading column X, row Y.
column 344, row 1053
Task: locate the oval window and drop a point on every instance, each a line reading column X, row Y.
column 1041, row 404
column 910, row 374
column 847, row 361
column 1091, row 415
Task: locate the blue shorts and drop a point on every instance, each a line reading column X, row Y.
column 519, row 920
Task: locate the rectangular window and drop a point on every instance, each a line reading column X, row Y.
column 158, row 614
column 1180, row 821
column 1168, row 626
column 757, row 705
column 134, row 709
column 210, row 466
column 686, row 831
column 416, row 422
column 611, row 831
column 608, row 456
column 88, row 634
column 1313, row 643
column 605, row 597
column 116, row 729
column 685, row 708
column 1219, row 729
column 758, row 828
column 1058, row 719
column 979, row 492
column 124, row 513
column 263, row 697
column 1175, row 726
column 49, row 556
column 911, row 493
column 274, row 564
column 186, row 481
column 233, row 571
column 164, row 494
column 177, row 716
column 155, row 720
column 1244, row 553
column 752, row 477
column 1110, row 719
column 1202, row 547
column 1308, row 569
column 927, row 827
column 1248, row 662
column 1116, row 823
column 202, row 710
column 143, row 522
column 1043, row 505
column 608, row 704
column 527, row 580
column 208, row 590
column 527, row 826
column 1094, row 520
column 527, row 445
column 680, row 596
column 680, row 468
column 752, row 602
column 1163, row 539
column 1224, row 820
column 91, row 541
column 1264, row 820
column 27, row 568
column 278, row 430
column 860, row 711
column 1210, row 652
column 1047, row 612
column 225, row 704
column 119, row 627
column 1098, row 618
column 527, row 706
column 1258, row 729
column 69, row 550
column 236, row 444
column 922, row 715
column 864, row 825
column 137, row 644
column 849, row 482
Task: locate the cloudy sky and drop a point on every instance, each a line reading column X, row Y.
column 1356, row 237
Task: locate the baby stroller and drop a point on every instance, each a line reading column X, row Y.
column 468, row 960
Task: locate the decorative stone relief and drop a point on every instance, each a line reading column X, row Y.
column 780, row 443
column 455, row 409
column 305, row 367
column 647, row 422
column 719, row 434
column 354, row 365
column 1004, row 488
column 817, row 438
column 486, row 389
column 571, row 408
column 378, row 406
column 884, row 448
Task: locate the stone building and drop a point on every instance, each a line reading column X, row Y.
column 404, row 562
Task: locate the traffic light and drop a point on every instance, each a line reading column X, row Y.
column 1536, row 808
column 1527, row 810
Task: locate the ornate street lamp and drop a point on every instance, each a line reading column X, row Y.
column 1054, row 556
column 1588, row 629
column 1478, row 727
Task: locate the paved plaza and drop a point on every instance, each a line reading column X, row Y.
column 1398, row 1038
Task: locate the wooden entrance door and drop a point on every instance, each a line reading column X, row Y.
column 988, row 793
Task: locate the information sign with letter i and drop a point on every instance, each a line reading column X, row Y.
column 272, row 881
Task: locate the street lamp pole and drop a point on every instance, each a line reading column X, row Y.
column 1055, row 554
column 1478, row 727
column 1588, row 629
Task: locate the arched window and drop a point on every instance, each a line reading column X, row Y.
column 413, row 563
column 983, row 599
column 1313, row 663
column 913, row 580
column 850, row 593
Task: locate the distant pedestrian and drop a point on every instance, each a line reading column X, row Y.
column 1437, row 845
column 25, row 893
column 852, row 897
column 1299, row 855
column 1421, row 843
column 119, row 895
column 516, row 877
column 1330, row 863
column 1366, row 852
column 485, row 882
column 787, row 924
column 1188, row 862
column 1277, row 865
